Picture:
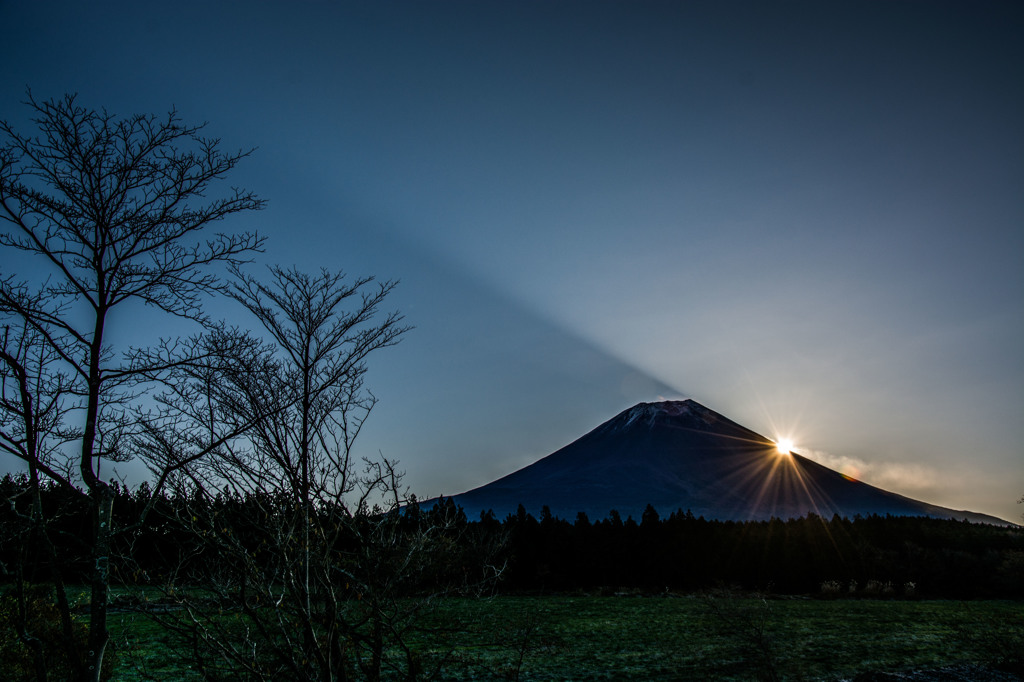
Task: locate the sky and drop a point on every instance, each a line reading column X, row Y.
column 806, row 216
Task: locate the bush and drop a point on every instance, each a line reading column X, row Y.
column 830, row 588
column 42, row 621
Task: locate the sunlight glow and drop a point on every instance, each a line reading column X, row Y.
column 784, row 445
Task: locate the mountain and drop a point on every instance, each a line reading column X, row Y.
column 681, row 455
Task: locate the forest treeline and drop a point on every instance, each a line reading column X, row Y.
column 882, row 556
column 874, row 556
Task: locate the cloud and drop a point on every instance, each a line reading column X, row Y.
column 901, row 477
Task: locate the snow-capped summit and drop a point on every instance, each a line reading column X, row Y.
column 647, row 412
column 677, row 410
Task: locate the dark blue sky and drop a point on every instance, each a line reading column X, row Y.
column 807, row 216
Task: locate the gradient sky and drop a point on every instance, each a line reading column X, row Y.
column 806, row 216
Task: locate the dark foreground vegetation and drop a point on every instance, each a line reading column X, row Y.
column 715, row 635
column 889, row 557
column 524, row 598
column 429, row 594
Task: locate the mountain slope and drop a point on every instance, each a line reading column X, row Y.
column 682, row 455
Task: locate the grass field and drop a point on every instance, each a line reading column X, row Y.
column 671, row 638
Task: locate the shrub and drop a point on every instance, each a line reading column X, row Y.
column 42, row 621
column 877, row 588
column 830, row 588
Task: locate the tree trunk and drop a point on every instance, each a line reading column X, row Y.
column 98, row 634
column 35, row 647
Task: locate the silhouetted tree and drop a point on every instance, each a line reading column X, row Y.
column 114, row 211
column 315, row 550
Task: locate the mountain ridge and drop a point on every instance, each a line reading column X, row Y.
column 681, row 455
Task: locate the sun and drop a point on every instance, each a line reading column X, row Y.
column 784, row 446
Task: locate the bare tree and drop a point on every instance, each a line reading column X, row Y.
column 323, row 343
column 33, row 399
column 112, row 211
column 306, row 551
column 293, row 471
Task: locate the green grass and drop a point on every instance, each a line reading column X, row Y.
column 594, row 638
column 144, row 650
column 671, row 638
